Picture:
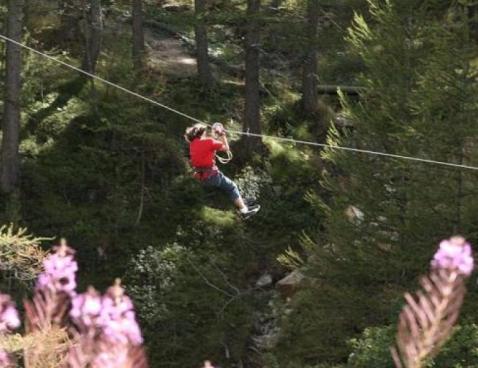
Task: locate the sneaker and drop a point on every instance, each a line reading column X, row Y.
column 251, row 211
column 250, row 202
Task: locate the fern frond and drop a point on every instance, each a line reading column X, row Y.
column 46, row 309
column 290, row 259
column 426, row 321
column 20, row 253
column 46, row 348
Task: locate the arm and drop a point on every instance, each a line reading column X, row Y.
column 223, row 140
column 220, row 143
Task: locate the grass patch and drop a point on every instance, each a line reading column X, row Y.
column 283, row 149
column 218, row 217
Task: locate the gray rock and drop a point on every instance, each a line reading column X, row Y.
column 290, row 284
column 264, row 280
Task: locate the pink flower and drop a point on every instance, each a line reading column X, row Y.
column 110, row 358
column 111, row 317
column 8, row 314
column 85, row 309
column 118, row 320
column 454, row 254
column 5, row 359
column 8, row 321
column 59, row 273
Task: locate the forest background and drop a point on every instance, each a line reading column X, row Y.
column 317, row 278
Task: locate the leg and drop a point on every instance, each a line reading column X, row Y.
column 225, row 184
column 239, row 202
column 231, row 189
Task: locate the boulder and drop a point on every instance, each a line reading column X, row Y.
column 354, row 214
column 264, row 280
column 176, row 8
column 289, row 285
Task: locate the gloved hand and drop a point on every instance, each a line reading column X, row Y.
column 218, row 128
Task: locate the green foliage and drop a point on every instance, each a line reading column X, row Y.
column 21, row 256
column 384, row 216
column 154, row 274
column 109, row 172
column 192, row 300
column 461, row 350
column 372, row 349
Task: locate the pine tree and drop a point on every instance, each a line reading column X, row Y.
column 202, row 55
column 138, row 33
column 93, row 35
column 310, row 64
column 252, row 106
column 10, row 169
column 386, row 215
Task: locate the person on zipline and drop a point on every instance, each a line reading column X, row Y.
column 202, row 151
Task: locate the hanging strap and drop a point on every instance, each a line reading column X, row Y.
column 224, row 160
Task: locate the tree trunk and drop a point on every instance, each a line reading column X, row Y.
column 309, row 83
column 252, row 114
column 93, row 35
column 472, row 15
column 204, row 70
column 11, row 114
column 70, row 13
column 138, row 34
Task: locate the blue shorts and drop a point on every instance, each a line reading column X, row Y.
column 225, row 184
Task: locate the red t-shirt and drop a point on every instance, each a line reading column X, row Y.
column 202, row 152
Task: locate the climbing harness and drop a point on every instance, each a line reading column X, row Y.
column 283, row 139
column 204, row 173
